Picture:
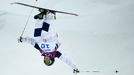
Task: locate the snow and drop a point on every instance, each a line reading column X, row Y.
column 100, row 38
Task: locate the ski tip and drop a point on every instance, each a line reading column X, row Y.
column 13, row 3
column 76, row 15
column 16, row 3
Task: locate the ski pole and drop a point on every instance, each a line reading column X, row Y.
column 27, row 20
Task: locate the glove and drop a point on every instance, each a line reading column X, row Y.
column 20, row 39
column 76, row 71
column 39, row 16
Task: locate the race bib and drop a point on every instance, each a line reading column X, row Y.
column 47, row 47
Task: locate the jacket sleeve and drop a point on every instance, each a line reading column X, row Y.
column 29, row 40
column 32, row 42
column 66, row 59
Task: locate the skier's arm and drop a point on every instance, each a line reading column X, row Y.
column 27, row 40
column 32, row 42
column 66, row 59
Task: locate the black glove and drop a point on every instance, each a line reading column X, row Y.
column 39, row 16
column 20, row 39
column 76, row 71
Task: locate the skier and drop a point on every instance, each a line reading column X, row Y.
column 45, row 40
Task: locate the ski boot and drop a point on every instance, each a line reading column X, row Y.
column 41, row 14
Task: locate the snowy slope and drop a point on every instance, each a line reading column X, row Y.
column 100, row 38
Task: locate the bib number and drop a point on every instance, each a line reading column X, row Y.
column 46, row 47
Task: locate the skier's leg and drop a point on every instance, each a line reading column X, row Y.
column 42, row 26
column 38, row 29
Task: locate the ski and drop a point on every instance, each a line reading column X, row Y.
column 44, row 8
column 96, row 71
column 90, row 71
